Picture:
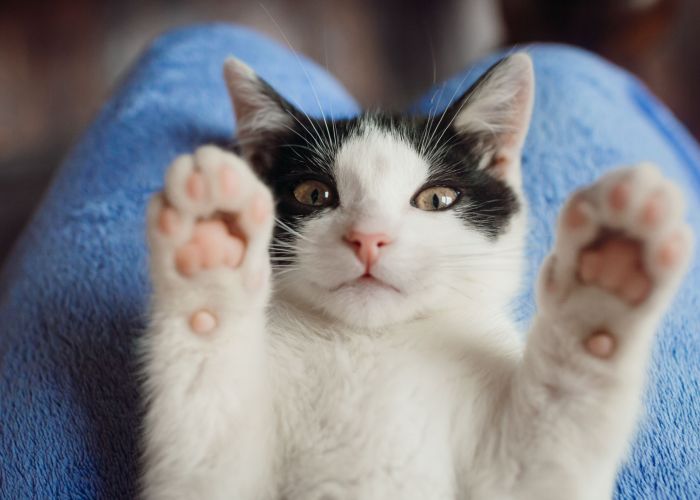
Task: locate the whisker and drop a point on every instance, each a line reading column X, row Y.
column 335, row 142
column 449, row 103
column 303, row 68
column 291, row 230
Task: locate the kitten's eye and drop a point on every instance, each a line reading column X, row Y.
column 435, row 198
column 314, row 194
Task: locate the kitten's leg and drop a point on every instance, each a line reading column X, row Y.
column 208, row 430
column 622, row 249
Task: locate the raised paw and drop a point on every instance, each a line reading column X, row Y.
column 209, row 231
column 622, row 239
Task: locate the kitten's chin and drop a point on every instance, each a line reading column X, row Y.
column 365, row 285
column 365, row 303
column 373, row 314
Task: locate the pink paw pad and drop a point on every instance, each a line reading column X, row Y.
column 616, row 266
column 209, row 236
column 636, row 289
column 188, row 259
column 620, row 196
column 600, row 344
column 229, row 182
column 168, row 221
column 196, row 188
column 211, row 246
column 654, row 210
column 620, row 258
column 259, row 209
column 670, row 252
column 234, row 250
column 576, row 216
column 203, row 322
column 591, row 266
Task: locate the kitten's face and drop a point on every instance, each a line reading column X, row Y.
column 386, row 218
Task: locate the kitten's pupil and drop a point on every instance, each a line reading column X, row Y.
column 313, row 193
column 436, row 201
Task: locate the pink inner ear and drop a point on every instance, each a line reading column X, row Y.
column 499, row 165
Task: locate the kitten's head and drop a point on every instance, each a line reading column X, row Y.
column 383, row 218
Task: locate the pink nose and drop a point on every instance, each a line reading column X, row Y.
column 366, row 246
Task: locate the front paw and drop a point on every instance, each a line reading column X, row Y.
column 622, row 248
column 209, row 231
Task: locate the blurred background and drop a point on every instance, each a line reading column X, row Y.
column 60, row 60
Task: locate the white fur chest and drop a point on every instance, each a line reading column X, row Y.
column 363, row 417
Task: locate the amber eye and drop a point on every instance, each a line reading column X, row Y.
column 314, row 194
column 435, row 198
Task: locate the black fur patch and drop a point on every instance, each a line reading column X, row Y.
column 486, row 202
column 307, row 150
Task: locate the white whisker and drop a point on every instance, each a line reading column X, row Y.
column 306, row 74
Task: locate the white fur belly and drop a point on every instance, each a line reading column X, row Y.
column 362, row 419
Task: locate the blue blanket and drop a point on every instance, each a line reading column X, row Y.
column 73, row 294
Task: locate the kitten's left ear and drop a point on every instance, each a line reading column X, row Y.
column 497, row 109
column 262, row 115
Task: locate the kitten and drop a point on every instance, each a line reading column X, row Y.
column 329, row 316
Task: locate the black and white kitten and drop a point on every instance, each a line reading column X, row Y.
column 329, row 317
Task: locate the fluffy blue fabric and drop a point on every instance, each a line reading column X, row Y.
column 73, row 295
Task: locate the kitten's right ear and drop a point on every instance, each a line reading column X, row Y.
column 497, row 108
column 262, row 115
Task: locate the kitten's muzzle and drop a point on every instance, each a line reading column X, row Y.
column 367, row 247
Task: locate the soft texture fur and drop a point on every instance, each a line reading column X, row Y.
column 374, row 359
column 69, row 317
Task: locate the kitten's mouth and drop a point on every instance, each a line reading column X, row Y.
column 367, row 280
